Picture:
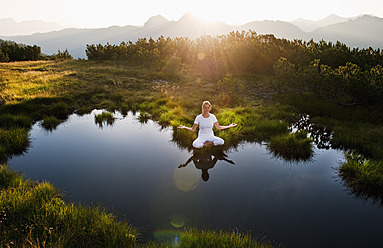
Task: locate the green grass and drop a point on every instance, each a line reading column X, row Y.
column 8, row 121
column 361, row 137
column 363, row 177
column 292, row 147
column 50, row 123
column 49, row 91
column 34, row 215
column 105, row 118
column 143, row 117
column 194, row 238
column 13, row 142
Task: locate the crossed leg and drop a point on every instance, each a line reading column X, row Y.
column 206, row 141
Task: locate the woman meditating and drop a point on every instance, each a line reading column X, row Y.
column 206, row 121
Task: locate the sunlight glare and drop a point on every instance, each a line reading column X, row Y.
column 186, row 179
column 207, row 16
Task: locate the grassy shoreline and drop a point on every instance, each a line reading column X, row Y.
column 52, row 90
column 33, row 214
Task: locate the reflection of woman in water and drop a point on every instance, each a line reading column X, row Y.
column 206, row 121
column 205, row 160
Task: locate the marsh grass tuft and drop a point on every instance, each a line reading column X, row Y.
column 13, row 142
column 143, row 117
column 363, row 138
column 194, row 238
column 124, row 109
column 50, row 123
column 9, row 179
column 105, row 118
column 60, row 110
column 363, row 177
column 293, row 147
column 11, row 121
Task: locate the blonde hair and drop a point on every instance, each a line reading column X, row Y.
column 206, row 103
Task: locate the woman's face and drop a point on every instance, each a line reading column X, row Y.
column 206, row 108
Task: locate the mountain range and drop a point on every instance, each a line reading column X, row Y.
column 9, row 27
column 363, row 31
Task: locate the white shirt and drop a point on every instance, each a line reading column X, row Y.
column 205, row 125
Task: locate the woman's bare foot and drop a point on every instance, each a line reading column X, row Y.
column 208, row 143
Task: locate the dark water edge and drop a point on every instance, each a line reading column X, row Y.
column 132, row 169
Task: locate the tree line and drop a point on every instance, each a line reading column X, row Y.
column 333, row 71
column 11, row 51
column 235, row 52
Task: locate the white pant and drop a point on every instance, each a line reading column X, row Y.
column 198, row 143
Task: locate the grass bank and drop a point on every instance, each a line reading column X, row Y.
column 33, row 214
column 49, row 91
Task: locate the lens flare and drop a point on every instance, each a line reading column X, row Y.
column 186, row 179
column 166, row 234
column 201, row 56
column 178, row 220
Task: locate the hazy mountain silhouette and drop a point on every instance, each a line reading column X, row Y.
column 310, row 25
column 279, row 28
column 361, row 32
column 8, row 27
column 364, row 31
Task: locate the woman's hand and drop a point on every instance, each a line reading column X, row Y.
column 233, row 125
column 191, row 129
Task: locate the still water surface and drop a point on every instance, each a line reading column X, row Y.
column 133, row 170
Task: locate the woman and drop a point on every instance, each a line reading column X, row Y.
column 206, row 120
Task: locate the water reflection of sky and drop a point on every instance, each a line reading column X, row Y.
column 132, row 169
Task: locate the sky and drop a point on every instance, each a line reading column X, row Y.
column 96, row 13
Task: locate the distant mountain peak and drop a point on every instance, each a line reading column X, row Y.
column 9, row 26
column 156, row 21
column 189, row 17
